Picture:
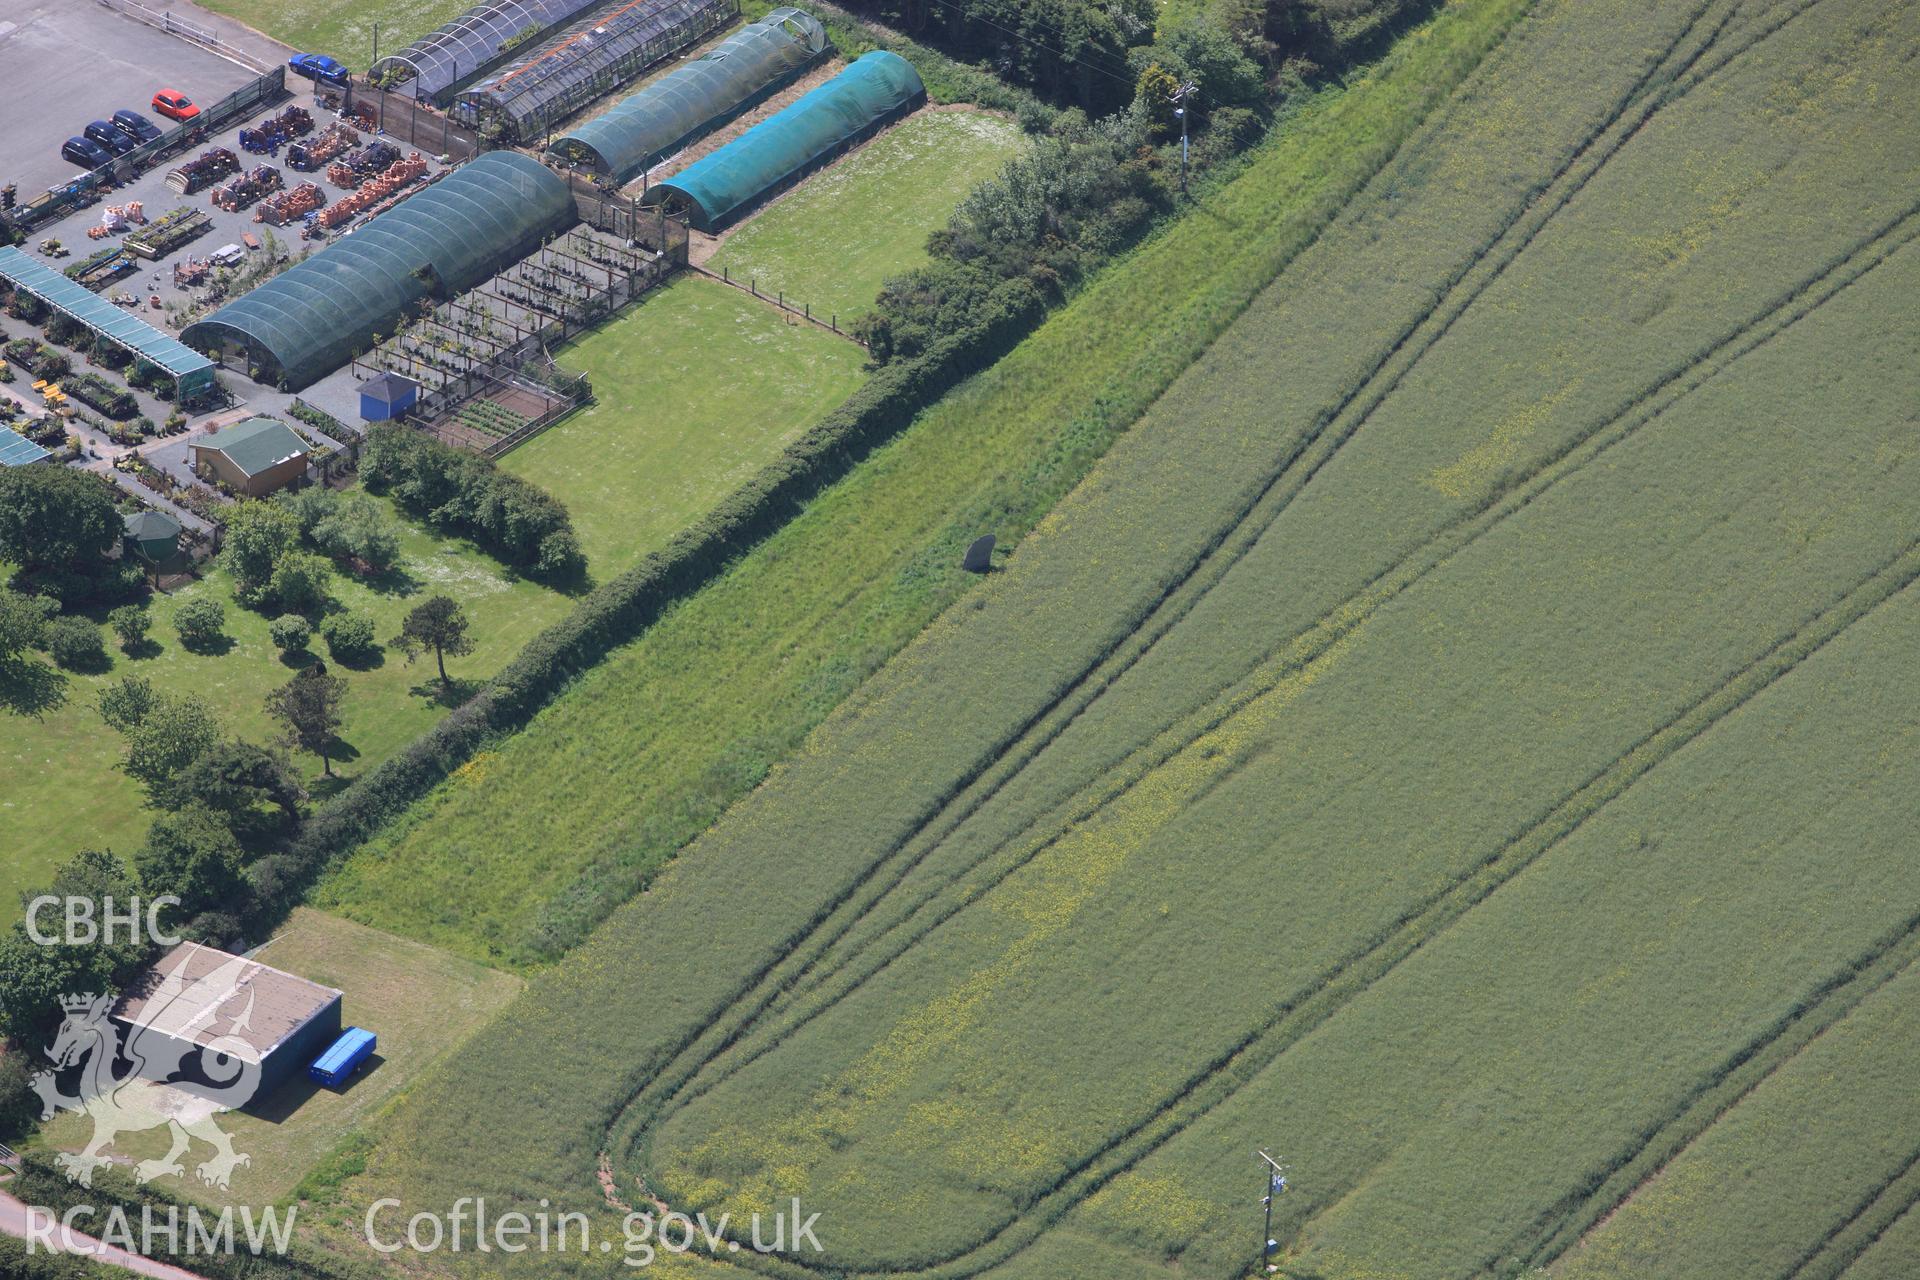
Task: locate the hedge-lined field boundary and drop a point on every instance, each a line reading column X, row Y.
column 617, row 611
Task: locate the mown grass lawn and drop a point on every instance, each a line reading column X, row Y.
column 64, row 791
column 345, row 29
column 421, row 1003
column 694, row 390
column 832, row 241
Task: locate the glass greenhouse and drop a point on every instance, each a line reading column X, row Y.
column 525, row 101
column 693, row 99
column 875, row 88
column 192, row 373
column 314, row 317
column 477, row 40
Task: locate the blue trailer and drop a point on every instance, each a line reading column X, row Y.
column 343, row 1057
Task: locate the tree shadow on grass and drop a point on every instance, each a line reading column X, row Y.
column 391, row 581
column 29, row 688
column 147, row 648
column 326, row 786
column 371, row 658
column 212, row 647
column 452, row 694
column 299, row 659
column 91, row 664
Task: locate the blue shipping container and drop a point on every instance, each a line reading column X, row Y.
column 343, row 1057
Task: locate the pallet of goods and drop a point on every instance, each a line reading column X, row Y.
column 256, row 184
column 401, row 173
column 332, row 141
column 203, row 171
column 290, row 205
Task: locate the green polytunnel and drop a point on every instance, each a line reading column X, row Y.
column 875, row 88
column 696, row 97
column 312, row 318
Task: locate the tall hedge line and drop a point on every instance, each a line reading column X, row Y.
column 619, row 610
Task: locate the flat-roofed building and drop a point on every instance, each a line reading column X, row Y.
column 198, row 1003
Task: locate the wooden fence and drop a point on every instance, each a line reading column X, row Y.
column 802, row 310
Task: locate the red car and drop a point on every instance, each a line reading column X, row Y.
column 174, row 105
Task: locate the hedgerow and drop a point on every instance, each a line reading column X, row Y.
column 458, row 490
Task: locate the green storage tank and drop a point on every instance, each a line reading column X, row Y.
column 152, row 536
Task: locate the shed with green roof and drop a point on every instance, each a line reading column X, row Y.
column 255, row 457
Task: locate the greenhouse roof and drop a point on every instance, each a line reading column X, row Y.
column 697, row 96
column 472, row 42
column 18, row 451
column 313, row 317
column 96, row 313
column 593, row 56
column 874, row 88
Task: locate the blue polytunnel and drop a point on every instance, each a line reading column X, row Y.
column 312, row 318
column 875, row 88
column 695, row 98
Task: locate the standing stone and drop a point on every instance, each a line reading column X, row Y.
column 979, row 557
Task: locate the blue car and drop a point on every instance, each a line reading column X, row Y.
column 109, row 137
column 318, row 66
column 86, row 153
column 135, row 126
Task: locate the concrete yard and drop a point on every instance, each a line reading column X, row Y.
column 125, row 61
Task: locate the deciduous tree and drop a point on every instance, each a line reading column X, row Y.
column 309, row 706
column 191, row 854
column 55, row 521
column 438, row 624
column 257, row 534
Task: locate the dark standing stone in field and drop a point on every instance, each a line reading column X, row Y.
column 979, row 557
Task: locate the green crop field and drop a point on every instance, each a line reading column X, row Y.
column 694, row 390
column 1457, row 738
column 64, row 790
column 658, row 740
column 833, row 240
column 1752, row 1196
column 343, row 28
column 421, row 1002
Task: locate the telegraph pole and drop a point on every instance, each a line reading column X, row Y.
column 1275, row 1174
column 1180, row 97
column 383, row 93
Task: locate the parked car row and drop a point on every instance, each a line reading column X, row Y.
column 102, row 140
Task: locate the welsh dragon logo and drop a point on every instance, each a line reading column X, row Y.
column 138, row 1098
